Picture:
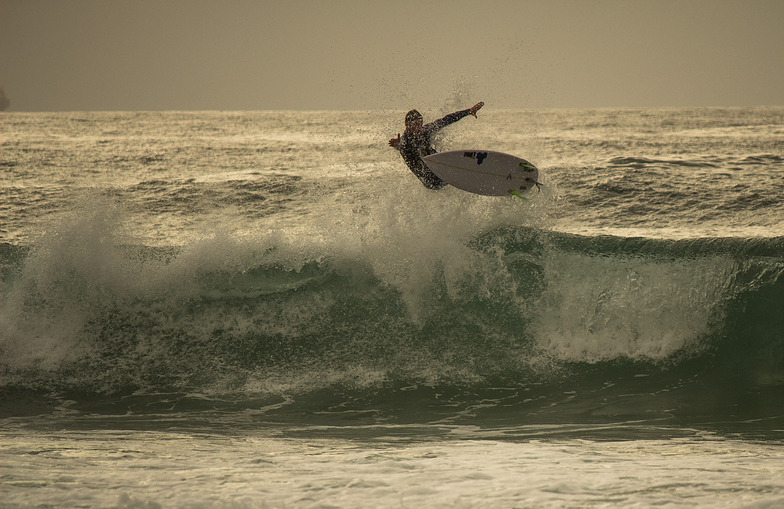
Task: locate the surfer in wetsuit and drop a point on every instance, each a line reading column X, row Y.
column 417, row 142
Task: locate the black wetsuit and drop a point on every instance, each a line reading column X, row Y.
column 414, row 148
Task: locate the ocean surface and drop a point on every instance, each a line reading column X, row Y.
column 267, row 309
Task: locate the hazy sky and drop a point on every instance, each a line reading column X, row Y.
column 361, row 54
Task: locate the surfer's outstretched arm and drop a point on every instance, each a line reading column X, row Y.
column 476, row 107
column 452, row 118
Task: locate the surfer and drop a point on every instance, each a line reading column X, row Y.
column 417, row 142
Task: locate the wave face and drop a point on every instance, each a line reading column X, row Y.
column 541, row 324
column 289, row 260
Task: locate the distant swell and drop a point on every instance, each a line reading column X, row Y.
column 701, row 162
column 643, row 162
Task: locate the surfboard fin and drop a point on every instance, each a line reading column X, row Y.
column 528, row 166
column 538, row 185
column 514, row 192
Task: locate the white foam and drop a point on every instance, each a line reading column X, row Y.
column 598, row 308
column 134, row 469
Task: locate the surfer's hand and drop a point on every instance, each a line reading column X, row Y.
column 395, row 142
column 475, row 108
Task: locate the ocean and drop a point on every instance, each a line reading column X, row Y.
column 267, row 309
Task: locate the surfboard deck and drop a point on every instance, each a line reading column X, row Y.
column 484, row 172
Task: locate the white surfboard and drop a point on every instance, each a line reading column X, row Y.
column 484, row 171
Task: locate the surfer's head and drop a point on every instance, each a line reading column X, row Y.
column 414, row 120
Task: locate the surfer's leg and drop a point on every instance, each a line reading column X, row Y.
column 429, row 179
column 434, row 183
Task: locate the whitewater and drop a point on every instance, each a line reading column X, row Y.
column 267, row 309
